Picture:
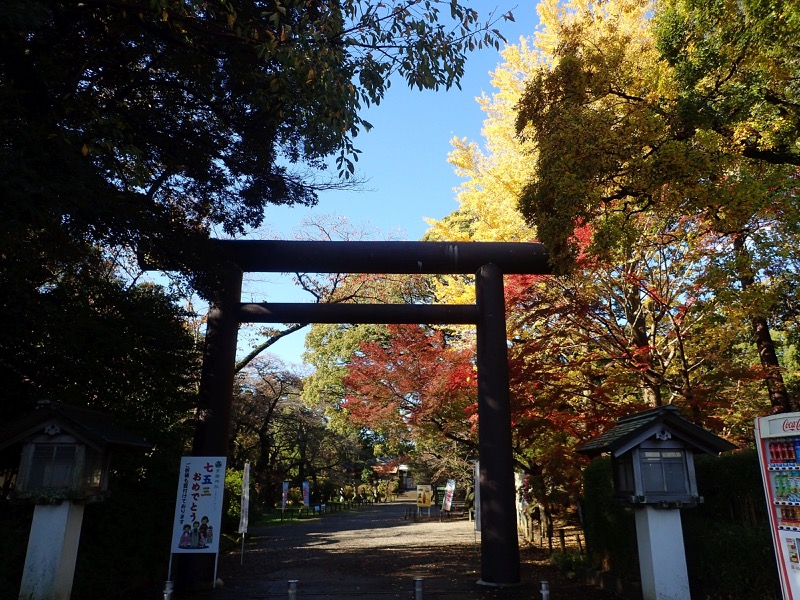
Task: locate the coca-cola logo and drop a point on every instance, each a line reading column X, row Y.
column 791, row 425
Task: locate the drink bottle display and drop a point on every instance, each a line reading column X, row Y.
column 778, row 442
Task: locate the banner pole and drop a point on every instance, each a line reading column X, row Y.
column 216, row 564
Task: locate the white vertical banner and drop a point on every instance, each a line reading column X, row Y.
column 477, row 500
column 244, row 516
column 198, row 507
column 521, row 502
column 284, row 495
column 245, row 513
column 449, row 490
column 306, row 493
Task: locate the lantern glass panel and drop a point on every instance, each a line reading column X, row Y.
column 93, row 470
column 664, row 471
column 652, row 473
column 53, row 466
column 623, row 474
column 675, row 472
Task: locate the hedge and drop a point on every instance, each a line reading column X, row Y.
column 729, row 552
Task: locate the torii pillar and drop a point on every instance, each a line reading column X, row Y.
column 499, row 545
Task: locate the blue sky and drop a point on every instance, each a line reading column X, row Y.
column 404, row 163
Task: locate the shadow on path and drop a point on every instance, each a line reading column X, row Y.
column 373, row 552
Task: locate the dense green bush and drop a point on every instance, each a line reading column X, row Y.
column 609, row 528
column 15, row 523
column 232, row 500
column 729, row 550
column 125, row 540
column 568, row 561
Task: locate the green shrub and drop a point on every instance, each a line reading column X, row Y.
column 729, row 552
column 568, row 561
column 232, row 502
column 125, row 540
column 609, row 528
column 15, row 523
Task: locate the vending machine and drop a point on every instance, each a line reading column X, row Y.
column 778, row 444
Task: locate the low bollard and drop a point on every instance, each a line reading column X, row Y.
column 418, row 588
column 545, row 590
column 293, row 589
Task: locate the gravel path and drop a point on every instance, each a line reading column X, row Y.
column 374, row 552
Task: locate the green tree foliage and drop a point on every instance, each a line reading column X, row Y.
column 735, row 65
column 163, row 120
column 329, row 348
column 284, row 438
column 100, row 353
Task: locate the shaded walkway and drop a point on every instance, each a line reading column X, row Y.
column 373, row 552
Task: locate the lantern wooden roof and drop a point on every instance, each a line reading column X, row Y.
column 632, row 430
column 92, row 427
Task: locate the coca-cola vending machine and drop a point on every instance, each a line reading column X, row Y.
column 778, row 444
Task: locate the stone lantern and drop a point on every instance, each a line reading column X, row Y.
column 652, row 459
column 66, row 452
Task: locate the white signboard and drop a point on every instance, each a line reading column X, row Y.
column 198, row 507
column 424, row 496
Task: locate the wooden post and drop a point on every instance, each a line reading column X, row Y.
column 196, row 571
column 499, row 544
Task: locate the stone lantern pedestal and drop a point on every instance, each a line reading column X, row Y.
column 52, row 551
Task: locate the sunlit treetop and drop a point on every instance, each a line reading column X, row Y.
column 736, row 65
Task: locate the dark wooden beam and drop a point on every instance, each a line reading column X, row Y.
column 270, row 312
column 288, row 256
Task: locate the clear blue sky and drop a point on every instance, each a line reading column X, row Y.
column 404, row 163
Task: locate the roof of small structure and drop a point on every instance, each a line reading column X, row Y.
column 632, row 429
column 94, row 427
column 389, row 466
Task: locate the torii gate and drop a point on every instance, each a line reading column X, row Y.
column 489, row 261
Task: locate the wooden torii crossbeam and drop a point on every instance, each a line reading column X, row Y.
column 489, row 261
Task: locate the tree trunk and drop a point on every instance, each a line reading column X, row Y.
column 634, row 312
column 778, row 396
